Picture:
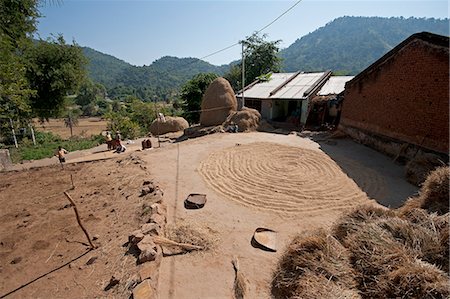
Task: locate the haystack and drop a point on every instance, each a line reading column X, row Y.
column 217, row 103
column 417, row 279
column 171, row 124
column 317, row 255
column 418, row 168
column 374, row 254
column 247, row 119
column 351, row 222
column 434, row 193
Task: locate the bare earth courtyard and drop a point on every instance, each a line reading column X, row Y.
column 283, row 182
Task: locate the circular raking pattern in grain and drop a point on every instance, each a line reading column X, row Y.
column 280, row 178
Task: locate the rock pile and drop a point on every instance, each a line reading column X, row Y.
column 141, row 241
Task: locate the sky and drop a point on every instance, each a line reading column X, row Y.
column 140, row 32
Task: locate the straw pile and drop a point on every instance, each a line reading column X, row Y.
column 419, row 167
column 247, row 119
column 363, row 214
column 434, row 193
column 382, row 253
column 315, row 265
column 189, row 233
column 217, row 103
column 171, row 124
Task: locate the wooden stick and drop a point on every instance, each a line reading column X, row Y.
column 79, row 220
column 71, row 179
column 168, row 242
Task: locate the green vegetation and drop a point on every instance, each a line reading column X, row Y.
column 159, row 81
column 35, row 76
column 350, row 44
column 47, row 144
column 261, row 57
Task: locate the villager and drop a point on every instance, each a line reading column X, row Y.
column 61, row 152
column 118, row 136
column 120, row 147
column 108, row 139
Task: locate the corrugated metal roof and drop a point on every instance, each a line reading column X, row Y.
column 292, row 90
column 334, row 85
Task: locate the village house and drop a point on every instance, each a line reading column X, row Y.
column 285, row 97
column 400, row 103
column 325, row 107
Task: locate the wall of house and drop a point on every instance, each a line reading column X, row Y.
column 406, row 98
column 266, row 109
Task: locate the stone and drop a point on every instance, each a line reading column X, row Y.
column 135, row 237
column 158, row 208
column 151, row 270
column 144, row 290
column 148, row 250
column 152, row 229
column 158, row 219
column 147, row 189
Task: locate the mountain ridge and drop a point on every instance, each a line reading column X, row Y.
column 346, row 45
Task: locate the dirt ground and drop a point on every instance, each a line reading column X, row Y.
column 86, row 127
column 283, row 182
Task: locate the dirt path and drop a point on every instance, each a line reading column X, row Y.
column 230, row 208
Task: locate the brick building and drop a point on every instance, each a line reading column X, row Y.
column 402, row 98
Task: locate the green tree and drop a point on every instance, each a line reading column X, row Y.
column 54, row 69
column 192, row 93
column 261, row 57
column 71, row 118
column 89, row 93
column 18, row 20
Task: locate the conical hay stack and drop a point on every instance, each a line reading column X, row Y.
column 247, row 119
column 435, row 191
column 218, row 102
column 172, row 124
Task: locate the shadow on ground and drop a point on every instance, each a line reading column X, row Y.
column 375, row 173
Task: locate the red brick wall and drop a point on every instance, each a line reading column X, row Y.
column 405, row 98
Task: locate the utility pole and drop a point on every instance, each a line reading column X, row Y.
column 13, row 132
column 242, row 104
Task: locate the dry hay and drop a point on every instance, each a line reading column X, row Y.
column 191, row 233
column 280, row 178
column 316, row 259
column 314, row 286
column 417, row 279
column 375, row 253
column 352, row 221
column 217, row 103
column 424, row 242
column 171, row 124
column 417, row 169
column 247, row 119
column 434, row 192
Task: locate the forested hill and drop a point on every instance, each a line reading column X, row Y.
column 350, row 44
column 158, row 80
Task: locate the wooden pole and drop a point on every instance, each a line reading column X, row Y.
column 13, row 132
column 79, row 220
column 71, row 179
column 32, row 134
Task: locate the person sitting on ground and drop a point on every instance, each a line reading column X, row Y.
column 120, row 147
column 146, row 143
column 61, row 155
column 233, row 128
